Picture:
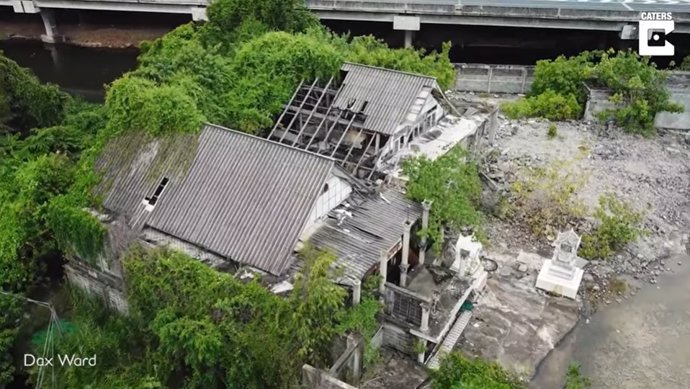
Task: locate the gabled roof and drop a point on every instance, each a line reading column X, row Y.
column 389, row 94
column 237, row 195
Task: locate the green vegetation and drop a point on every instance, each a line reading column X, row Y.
column 552, row 132
column 548, row 105
column 235, row 70
column 459, row 372
column 685, row 65
column 574, row 378
column 452, row 184
column 618, row 225
column 558, row 92
column 26, row 103
column 192, row 327
column 546, row 199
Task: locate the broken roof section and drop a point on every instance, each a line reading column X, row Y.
column 356, row 119
column 237, row 195
column 390, row 94
column 363, row 229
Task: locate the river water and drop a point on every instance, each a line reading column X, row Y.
column 642, row 343
column 78, row 70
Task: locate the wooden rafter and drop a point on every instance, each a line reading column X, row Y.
column 300, row 107
column 280, row 118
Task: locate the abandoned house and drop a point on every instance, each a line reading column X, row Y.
column 238, row 202
column 372, row 114
column 245, row 204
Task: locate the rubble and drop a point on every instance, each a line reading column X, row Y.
column 651, row 173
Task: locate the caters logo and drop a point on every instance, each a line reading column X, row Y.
column 653, row 29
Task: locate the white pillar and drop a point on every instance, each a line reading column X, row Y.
column 356, row 291
column 420, row 356
column 426, row 311
column 426, row 205
column 404, row 265
column 48, row 16
column 408, row 38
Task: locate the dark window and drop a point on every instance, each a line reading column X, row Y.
column 325, row 188
column 364, row 106
column 154, row 199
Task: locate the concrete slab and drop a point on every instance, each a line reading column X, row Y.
column 676, row 121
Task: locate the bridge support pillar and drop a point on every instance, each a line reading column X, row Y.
column 408, row 38
column 48, row 16
column 409, row 24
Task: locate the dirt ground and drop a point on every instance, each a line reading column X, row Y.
column 652, row 174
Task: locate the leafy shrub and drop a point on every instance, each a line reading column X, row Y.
column 619, row 224
column 452, row 184
column 549, row 105
column 638, row 87
column 458, row 371
column 564, row 76
column 371, row 51
column 685, row 65
column 27, row 102
column 135, row 103
column 552, row 132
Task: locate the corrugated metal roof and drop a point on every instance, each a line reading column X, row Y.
column 389, row 94
column 376, row 225
column 241, row 196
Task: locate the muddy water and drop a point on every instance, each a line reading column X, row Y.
column 642, row 343
column 78, row 70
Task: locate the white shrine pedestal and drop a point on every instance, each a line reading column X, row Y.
column 560, row 279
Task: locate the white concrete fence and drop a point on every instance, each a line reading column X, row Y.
column 483, row 78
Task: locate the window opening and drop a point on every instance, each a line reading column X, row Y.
column 154, row 199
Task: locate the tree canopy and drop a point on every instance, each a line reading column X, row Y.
column 452, row 184
column 190, row 326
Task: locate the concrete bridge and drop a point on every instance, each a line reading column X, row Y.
column 411, row 15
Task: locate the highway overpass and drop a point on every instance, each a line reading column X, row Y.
column 411, row 15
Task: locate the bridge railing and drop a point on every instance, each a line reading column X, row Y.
column 388, row 6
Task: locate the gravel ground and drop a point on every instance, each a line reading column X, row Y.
column 652, row 174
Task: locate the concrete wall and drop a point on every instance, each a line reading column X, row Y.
column 398, row 338
column 313, row 378
column 483, row 78
column 104, row 285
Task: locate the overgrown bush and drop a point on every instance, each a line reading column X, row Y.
column 639, row 89
column 191, row 326
column 25, row 101
column 619, row 224
column 548, row 105
column 459, row 372
column 452, row 184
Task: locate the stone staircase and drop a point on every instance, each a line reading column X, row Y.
column 450, row 340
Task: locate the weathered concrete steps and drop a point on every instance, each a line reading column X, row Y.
column 450, row 340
